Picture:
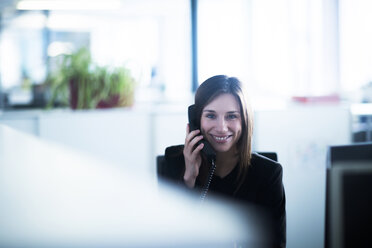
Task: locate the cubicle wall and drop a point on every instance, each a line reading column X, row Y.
column 131, row 137
column 300, row 135
column 120, row 137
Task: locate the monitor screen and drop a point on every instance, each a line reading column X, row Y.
column 357, row 206
column 351, row 152
column 348, row 194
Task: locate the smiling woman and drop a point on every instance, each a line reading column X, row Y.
column 221, row 123
column 225, row 120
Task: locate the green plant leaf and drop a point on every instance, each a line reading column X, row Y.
column 76, row 76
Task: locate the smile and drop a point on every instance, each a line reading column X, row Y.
column 220, row 138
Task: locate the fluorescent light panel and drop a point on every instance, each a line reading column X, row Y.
column 68, row 5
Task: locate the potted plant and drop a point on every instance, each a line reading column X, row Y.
column 79, row 83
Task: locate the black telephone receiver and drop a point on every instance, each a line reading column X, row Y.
column 207, row 150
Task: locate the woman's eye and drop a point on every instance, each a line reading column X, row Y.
column 210, row 116
column 232, row 116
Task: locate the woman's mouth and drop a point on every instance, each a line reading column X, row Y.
column 221, row 139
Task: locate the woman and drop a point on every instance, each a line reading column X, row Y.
column 226, row 123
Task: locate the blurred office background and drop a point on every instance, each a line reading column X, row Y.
column 306, row 64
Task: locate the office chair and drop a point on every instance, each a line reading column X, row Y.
column 270, row 155
column 161, row 169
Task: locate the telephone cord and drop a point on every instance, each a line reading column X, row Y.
column 206, row 186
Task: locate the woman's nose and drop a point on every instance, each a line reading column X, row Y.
column 221, row 125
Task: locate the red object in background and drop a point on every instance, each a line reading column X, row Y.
column 317, row 99
column 112, row 102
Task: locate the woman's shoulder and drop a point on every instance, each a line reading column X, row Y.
column 262, row 163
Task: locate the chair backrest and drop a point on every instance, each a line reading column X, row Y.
column 270, row 155
column 161, row 165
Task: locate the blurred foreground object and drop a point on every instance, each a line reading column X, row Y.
column 54, row 197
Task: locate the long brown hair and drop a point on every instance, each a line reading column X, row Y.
column 221, row 84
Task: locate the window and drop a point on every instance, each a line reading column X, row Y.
column 356, row 48
column 280, row 48
column 152, row 38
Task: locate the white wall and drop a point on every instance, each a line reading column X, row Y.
column 300, row 136
column 133, row 137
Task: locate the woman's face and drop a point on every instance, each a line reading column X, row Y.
column 221, row 123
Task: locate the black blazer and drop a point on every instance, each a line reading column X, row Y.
column 262, row 186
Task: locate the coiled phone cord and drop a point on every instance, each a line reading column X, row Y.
column 207, row 184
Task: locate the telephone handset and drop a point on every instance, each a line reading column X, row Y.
column 207, row 150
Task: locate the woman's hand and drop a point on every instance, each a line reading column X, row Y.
column 192, row 156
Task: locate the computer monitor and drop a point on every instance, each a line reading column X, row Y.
column 351, row 152
column 348, row 196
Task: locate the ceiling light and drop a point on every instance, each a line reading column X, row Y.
column 68, row 5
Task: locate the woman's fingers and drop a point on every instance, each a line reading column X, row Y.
column 191, row 135
column 192, row 155
column 192, row 138
column 197, row 149
column 192, row 148
column 194, row 141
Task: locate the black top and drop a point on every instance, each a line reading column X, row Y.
column 262, row 186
